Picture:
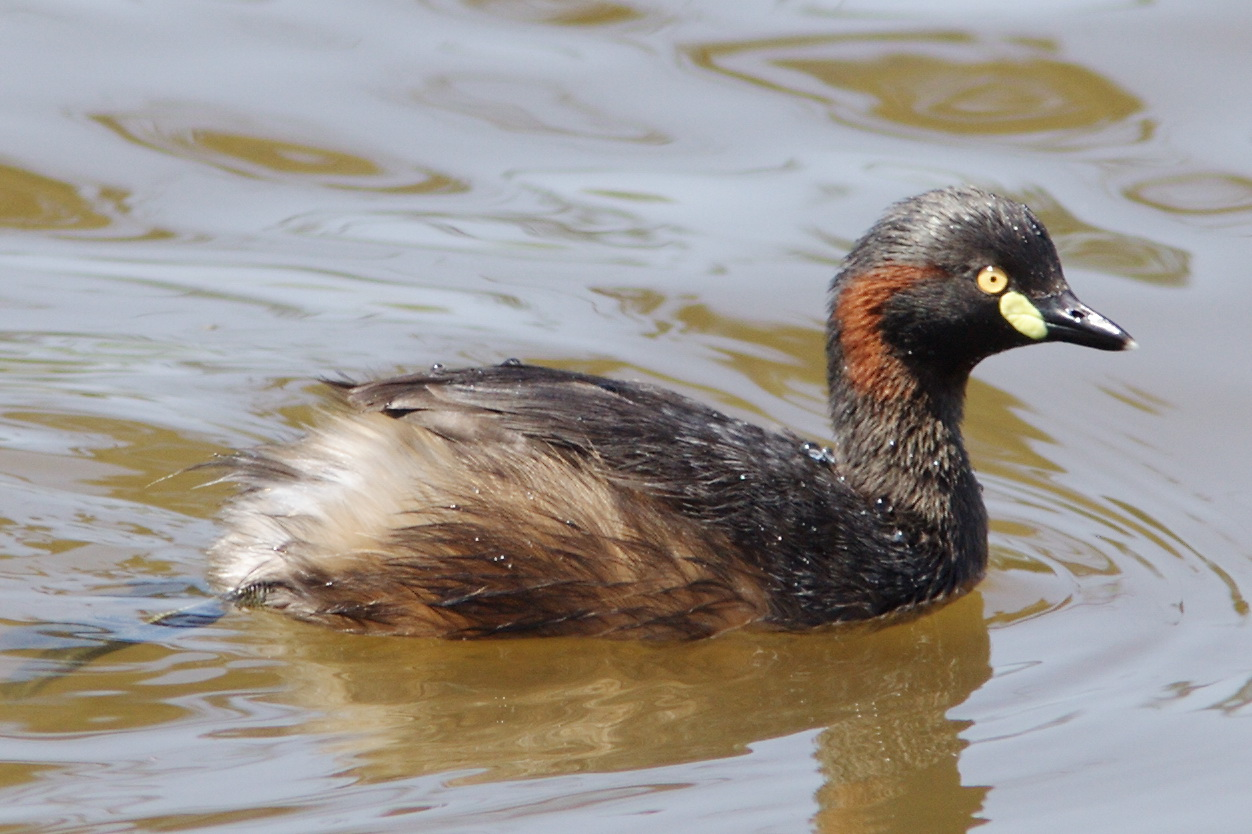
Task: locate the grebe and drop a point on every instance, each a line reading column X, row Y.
column 521, row 500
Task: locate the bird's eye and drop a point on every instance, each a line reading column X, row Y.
column 992, row 280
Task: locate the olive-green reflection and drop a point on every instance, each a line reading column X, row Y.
column 13, row 774
column 282, row 157
column 1201, row 193
column 988, row 97
column 264, row 157
column 559, row 12
column 525, row 708
column 135, row 463
column 85, row 682
column 1041, row 521
column 1008, row 451
column 31, row 201
column 261, row 819
column 941, row 82
column 794, row 347
column 1093, row 247
column 783, row 359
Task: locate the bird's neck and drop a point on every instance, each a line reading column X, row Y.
column 905, row 448
column 897, row 431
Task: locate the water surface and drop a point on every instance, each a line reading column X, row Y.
column 204, row 207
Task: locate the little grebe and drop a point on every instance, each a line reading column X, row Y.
column 521, row 500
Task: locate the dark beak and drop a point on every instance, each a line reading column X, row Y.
column 1069, row 320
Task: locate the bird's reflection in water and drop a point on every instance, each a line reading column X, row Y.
column 498, row 710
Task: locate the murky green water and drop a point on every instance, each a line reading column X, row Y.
column 205, row 205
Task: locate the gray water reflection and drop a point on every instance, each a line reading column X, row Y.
column 530, row 107
column 1197, row 193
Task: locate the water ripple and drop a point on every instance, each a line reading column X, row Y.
column 947, row 84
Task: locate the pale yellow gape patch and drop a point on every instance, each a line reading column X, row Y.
column 1015, row 307
column 1023, row 315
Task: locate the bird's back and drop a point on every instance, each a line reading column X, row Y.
column 512, row 500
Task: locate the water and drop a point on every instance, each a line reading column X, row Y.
column 205, row 206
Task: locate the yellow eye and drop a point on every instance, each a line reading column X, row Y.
column 992, row 280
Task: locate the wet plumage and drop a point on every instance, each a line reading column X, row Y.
column 521, row 500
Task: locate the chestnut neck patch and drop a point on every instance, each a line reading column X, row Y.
column 868, row 365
